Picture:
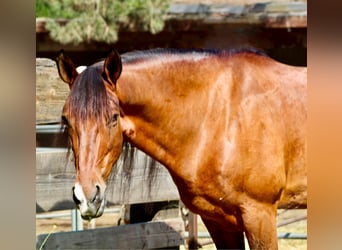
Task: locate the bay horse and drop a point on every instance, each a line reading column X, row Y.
column 230, row 127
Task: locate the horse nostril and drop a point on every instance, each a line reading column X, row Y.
column 97, row 195
column 76, row 200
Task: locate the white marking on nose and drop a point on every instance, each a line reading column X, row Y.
column 87, row 208
column 78, row 191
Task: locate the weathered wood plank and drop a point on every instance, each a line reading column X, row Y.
column 55, row 177
column 151, row 235
column 51, row 92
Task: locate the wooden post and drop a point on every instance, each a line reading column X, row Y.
column 193, row 235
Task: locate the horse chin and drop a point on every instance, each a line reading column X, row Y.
column 91, row 210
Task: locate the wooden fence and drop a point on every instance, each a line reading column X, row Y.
column 152, row 235
column 55, row 176
column 54, row 179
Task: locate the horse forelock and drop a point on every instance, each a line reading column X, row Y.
column 88, row 96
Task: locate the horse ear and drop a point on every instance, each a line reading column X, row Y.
column 66, row 68
column 112, row 67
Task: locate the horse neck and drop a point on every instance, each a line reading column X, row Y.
column 158, row 109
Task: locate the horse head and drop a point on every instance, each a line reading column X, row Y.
column 91, row 114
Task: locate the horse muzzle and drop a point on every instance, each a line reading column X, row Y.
column 91, row 206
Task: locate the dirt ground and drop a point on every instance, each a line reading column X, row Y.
column 63, row 224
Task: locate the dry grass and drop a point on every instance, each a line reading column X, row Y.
column 44, row 226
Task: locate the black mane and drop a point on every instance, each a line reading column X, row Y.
column 140, row 55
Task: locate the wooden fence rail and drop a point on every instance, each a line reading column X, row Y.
column 151, row 235
column 55, row 177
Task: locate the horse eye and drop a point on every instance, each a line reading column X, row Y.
column 114, row 119
column 65, row 121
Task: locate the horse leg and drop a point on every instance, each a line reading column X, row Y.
column 225, row 237
column 259, row 221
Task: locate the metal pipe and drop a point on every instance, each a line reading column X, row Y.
column 76, row 220
column 50, row 216
column 67, row 214
column 49, row 129
column 293, row 236
column 193, row 231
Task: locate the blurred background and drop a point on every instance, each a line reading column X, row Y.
column 88, row 29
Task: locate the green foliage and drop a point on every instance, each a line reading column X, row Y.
column 99, row 20
column 55, row 9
